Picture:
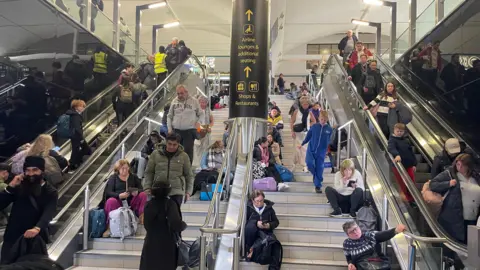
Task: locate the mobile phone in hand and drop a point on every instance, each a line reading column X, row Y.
column 351, row 183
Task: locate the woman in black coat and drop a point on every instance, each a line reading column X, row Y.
column 260, row 217
column 163, row 221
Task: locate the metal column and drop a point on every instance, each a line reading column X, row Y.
column 116, row 18
column 87, row 14
column 393, row 32
column 154, row 39
column 412, row 27
column 138, row 18
column 378, row 39
column 75, row 40
column 439, row 10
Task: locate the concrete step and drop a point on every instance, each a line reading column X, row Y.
column 296, row 197
column 310, row 235
column 302, row 264
column 321, row 209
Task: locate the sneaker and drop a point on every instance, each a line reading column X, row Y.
column 318, row 190
column 336, row 213
column 106, row 234
column 333, row 170
column 353, row 214
column 305, row 169
column 282, row 187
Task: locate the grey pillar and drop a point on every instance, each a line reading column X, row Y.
column 473, row 248
column 87, row 14
column 393, row 32
column 116, row 18
column 378, row 39
column 75, row 40
column 154, row 39
column 439, row 10
column 412, row 27
column 138, row 18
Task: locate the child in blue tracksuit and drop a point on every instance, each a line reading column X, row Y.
column 318, row 138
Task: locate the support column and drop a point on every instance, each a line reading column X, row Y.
column 87, row 14
column 379, row 39
column 75, row 41
column 412, row 27
column 393, row 33
column 249, row 59
column 439, row 10
column 116, row 19
column 154, row 39
column 138, row 18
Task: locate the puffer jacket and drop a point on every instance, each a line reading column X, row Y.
column 268, row 215
column 451, row 214
column 175, row 170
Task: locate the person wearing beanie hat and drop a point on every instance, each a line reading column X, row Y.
column 153, row 139
column 160, row 245
column 34, row 202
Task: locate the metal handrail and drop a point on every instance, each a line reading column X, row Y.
column 104, row 146
column 245, row 189
column 431, row 220
column 424, row 239
column 13, row 86
column 421, row 102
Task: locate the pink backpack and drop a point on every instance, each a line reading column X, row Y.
column 265, row 184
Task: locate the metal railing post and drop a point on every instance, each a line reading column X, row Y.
column 384, row 221
column 364, row 163
column 242, row 232
column 339, row 142
column 86, row 210
column 236, row 253
column 349, row 140
column 123, row 151
column 412, row 254
column 203, row 243
column 149, row 127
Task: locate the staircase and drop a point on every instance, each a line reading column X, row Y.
column 310, row 238
column 114, row 254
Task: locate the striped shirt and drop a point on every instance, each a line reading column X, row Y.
column 383, row 101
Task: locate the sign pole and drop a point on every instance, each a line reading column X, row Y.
column 249, row 59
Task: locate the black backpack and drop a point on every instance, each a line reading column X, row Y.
column 264, row 250
column 204, row 177
column 334, row 139
column 370, row 81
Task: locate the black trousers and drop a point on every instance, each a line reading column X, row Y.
column 79, row 149
column 251, row 234
column 188, row 138
column 382, row 120
column 336, row 199
column 272, row 172
column 161, row 77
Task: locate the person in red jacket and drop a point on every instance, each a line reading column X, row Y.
column 432, row 56
column 355, row 56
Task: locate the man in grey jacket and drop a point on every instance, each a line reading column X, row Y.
column 183, row 119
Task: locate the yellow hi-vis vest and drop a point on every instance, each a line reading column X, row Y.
column 160, row 66
column 100, row 64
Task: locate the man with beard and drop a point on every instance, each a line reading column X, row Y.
column 34, row 204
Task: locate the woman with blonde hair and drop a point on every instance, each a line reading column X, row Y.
column 298, row 124
column 347, row 190
column 124, row 186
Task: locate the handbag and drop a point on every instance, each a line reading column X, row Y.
column 374, row 262
column 182, row 246
column 299, row 127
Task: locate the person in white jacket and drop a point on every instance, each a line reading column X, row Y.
column 347, row 191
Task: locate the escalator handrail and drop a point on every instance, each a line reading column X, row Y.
column 67, row 16
column 421, row 101
column 13, row 86
column 422, row 40
column 431, row 220
column 111, row 139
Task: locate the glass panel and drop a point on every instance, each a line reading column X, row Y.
column 402, row 43
column 425, row 21
column 102, row 26
column 313, row 49
column 434, row 253
column 70, row 7
column 450, row 5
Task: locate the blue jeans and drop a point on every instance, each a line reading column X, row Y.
column 281, row 89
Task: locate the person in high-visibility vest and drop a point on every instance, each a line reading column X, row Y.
column 160, row 65
column 99, row 60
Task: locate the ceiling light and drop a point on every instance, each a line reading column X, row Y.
column 157, row 5
column 374, row 2
column 173, row 24
column 360, row 22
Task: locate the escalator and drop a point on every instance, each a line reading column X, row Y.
column 447, row 93
column 48, row 36
column 426, row 144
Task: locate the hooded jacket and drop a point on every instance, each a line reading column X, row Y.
column 183, row 115
column 401, row 146
column 176, row 170
column 76, row 124
column 268, row 215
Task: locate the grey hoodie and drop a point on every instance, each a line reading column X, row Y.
column 183, row 115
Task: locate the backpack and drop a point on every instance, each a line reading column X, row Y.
column 126, row 94
column 53, row 173
column 96, row 224
column 334, row 139
column 367, row 218
column 370, row 81
column 123, row 222
column 264, row 246
column 204, row 176
column 194, row 254
column 63, row 126
column 285, row 174
column 206, row 191
column 142, row 73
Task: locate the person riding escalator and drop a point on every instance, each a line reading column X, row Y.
column 100, row 62
column 160, row 65
column 122, row 100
